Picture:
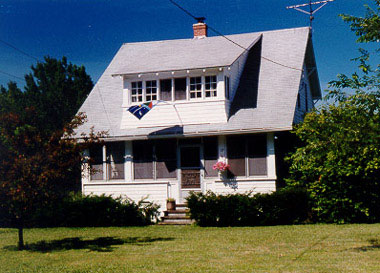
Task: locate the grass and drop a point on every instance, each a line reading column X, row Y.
column 309, row 248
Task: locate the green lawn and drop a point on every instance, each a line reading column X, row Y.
column 309, row 248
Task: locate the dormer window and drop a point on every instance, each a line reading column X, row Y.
column 137, row 92
column 195, row 87
column 173, row 89
column 210, row 86
column 151, row 90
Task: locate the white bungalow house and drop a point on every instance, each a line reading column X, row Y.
column 214, row 99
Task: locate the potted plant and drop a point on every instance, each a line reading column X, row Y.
column 222, row 168
column 170, row 204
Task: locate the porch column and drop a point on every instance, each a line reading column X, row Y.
column 105, row 171
column 271, row 159
column 128, row 156
column 222, row 148
column 85, row 168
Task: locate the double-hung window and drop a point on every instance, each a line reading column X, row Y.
column 195, row 87
column 151, row 90
column 137, row 92
column 210, row 86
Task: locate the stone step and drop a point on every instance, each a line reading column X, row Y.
column 176, row 212
column 187, row 222
column 181, row 205
column 176, row 217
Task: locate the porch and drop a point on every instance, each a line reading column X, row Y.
column 170, row 168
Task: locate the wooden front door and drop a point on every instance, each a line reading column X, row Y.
column 190, row 162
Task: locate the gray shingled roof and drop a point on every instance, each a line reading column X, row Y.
column 182, row 54
column 276, row 91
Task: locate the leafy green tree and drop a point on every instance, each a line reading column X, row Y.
column 55, row 89
column 339, row 163
column 38, row 165
column 35, row 168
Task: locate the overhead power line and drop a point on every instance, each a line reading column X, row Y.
column 228, row 39
column 19, row 50
column 10, row 75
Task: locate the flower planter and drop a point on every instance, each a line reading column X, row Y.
column 170, row 205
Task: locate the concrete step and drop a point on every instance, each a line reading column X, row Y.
column 176, row 223
column 175, row 216
column 176, row 212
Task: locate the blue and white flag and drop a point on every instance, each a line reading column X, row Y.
column 140, row 110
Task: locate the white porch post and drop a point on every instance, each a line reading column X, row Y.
column 85, row 169
column 222, row 148
column 105, row 173
column 271, row 158
column 128, row 161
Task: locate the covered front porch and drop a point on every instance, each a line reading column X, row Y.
column 162, row 168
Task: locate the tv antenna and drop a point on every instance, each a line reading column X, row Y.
column 311, row 11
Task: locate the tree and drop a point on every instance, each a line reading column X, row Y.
column 339, row 162
column 35, row 169
column 39, row 158
column 55, row 89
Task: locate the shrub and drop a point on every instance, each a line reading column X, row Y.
column 286, row 206
column 79, row 210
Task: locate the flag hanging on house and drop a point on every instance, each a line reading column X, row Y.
column 140, row 110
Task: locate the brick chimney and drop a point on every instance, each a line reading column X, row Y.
column 200, row 28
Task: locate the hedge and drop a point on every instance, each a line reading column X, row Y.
column 79, row 210
column 283, row 207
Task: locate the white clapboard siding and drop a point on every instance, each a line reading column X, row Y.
column 155, row 192
column 183, row 113
column 242, row 187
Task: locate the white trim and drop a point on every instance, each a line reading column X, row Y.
column 126, row 183
column 128, row 155
column 271, row 157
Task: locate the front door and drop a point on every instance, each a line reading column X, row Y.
column 190, row 162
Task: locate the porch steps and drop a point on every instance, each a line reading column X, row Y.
column 179, row 216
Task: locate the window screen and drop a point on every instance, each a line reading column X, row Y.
column 190, row 157
column 115, row 160
column 166, row 90
column 236, row 154
column 166, row 158
column 143, row 159
column 180, row 88
column 257, row 154
column 210, row 151
column 96, row 162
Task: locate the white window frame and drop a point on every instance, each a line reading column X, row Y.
column 150, row 90
column 197, row 87
column 212, row 91
column 139, row 91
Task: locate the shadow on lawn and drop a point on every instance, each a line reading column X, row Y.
column 375, row 244
column 101, row 244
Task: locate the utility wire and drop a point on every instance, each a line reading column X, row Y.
column 235, row 43
column 18, row 50
column 17, row 77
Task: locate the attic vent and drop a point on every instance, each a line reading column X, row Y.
column 200, row 28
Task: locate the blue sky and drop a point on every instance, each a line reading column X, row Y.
column 89, row 32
